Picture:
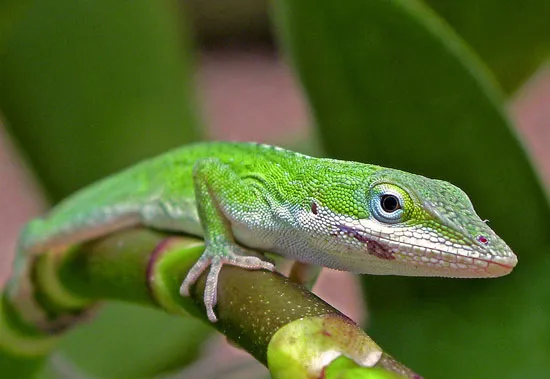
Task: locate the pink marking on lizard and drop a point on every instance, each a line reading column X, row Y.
column 374, row 248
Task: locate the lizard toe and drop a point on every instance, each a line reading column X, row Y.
column 214, row 264
column 193, row 275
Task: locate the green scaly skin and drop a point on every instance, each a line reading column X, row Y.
column 239, row 196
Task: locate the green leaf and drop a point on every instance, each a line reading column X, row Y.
column 512, row 36
column 11, row 11
column 130, row 341
column 390, row 83
column 89, row 87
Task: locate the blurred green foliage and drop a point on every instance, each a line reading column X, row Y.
column 89, row 87
column 163, row 343
column 390, row 83
column 85, row 83
column 511, row 36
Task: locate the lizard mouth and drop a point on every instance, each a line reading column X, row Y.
column 442, row 260
column 374, row 247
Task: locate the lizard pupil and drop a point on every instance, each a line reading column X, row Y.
column 389, row 203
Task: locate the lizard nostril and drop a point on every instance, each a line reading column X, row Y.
column 482, row 239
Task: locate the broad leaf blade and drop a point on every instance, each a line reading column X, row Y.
column 90, row 87
column 87, row 89
column 389, row 83
column 512, row 36
column 129, row 341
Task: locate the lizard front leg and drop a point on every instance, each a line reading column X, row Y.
column 219, row 191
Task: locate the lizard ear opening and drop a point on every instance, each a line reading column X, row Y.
column 314, row 209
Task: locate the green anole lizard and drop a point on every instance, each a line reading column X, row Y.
column 239, row 196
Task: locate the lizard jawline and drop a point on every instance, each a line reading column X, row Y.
column 374, row 248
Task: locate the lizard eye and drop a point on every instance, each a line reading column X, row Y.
column 387, row 207
column 389, row 203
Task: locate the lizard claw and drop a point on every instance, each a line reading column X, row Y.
column 216, row 263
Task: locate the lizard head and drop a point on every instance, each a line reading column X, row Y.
column 407, row 224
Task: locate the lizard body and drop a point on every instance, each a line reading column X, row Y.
column 237, row 196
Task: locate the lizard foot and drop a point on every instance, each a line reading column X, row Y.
column 216, row 262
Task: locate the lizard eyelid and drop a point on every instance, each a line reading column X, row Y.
column 391, row 215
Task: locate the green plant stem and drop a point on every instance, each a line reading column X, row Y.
column 147, row 267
